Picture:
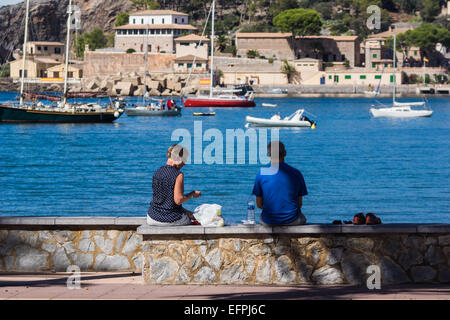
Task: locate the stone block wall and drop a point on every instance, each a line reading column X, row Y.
column 95, row 247
column 294, row 257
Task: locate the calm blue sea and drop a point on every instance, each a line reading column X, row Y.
column 399, row 169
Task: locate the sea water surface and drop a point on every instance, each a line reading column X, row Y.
column 352, row 162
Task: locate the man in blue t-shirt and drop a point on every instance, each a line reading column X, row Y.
column 279, row 190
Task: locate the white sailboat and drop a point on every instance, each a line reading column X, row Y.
column 401, row 109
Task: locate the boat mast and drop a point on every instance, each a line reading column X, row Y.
column 145, row 68
column 69, row 11
column 395, row 69
column 212, row 50
column 24, row 53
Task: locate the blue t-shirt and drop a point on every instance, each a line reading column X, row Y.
column 280, row 188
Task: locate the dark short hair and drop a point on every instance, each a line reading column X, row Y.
column 279, row 145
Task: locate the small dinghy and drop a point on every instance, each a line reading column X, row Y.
column 152, row 111
column 297, row 119
column 269, row 105
column 204, row 114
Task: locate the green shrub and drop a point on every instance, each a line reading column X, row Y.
column 130, row 50
column 5, row 70
column 252, row 54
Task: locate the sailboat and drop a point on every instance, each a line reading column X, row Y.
column 61, row 111
column 218, row 100
column 152, row 108
column 401, row 109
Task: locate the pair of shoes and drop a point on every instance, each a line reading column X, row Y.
column 195, row 223
column 359, row 218
column 371, row 218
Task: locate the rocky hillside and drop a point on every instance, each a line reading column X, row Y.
column 48, row 20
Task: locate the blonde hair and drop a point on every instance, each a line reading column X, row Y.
column 177, row 154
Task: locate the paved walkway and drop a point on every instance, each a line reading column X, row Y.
column 95, row 286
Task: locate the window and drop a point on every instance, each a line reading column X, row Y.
column 348, row 77
column 415, row 52
column 57, row 50
column 25, row 75
column 182, row 20
column 141, row 31
column 39, row 48
column 70, row 74
column 181, row 64
column 142, row 21
column 163, row 21
column 378, row 77
column 152, row 31
column 184, row 43
column 135, row 31
column 45, row 48
column 134, row 21
column 385, row 65
column 189, row 65
column 56, row 74
column 163, row 31
column 392, row 78
column 198, row 65
column 374, row 55
column 374, row 65
column 153, row 21
column 362, row 77
column 176, row 20
column 158, row 31
column 336, row 78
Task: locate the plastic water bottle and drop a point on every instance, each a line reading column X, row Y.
column 251, row 211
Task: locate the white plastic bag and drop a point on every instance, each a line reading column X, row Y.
column 209, row 215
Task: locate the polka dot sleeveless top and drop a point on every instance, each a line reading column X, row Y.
column 163, row 208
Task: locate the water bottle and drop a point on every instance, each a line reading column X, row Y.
column 251, row 211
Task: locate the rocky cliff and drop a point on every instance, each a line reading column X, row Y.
column 48, row 20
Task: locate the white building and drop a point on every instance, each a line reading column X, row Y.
column 161, row 26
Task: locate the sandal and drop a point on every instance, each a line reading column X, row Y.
column 371, row 218
column 359, row 218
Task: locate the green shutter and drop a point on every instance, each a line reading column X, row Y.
column 362, row 77
column 392, row 78
column 374, row 55
column 378, row 77
column 348, row 77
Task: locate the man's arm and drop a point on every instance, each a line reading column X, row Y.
column 300, row 202
column 259, row 202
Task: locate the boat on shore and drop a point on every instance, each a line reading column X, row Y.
column 61, row 111
column 297, row 119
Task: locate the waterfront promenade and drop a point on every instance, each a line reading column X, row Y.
column 129, row 286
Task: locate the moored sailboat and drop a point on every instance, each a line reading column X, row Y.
column 62, row 111
column 401, row 109
column 218, row 100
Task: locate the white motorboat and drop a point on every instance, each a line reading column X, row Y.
column 269, row 105
column 152, row 109
column 297, row 119
column 401, row 109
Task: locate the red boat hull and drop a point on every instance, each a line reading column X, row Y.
column 219, row 103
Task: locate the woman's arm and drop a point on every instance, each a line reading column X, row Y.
column 178, row 193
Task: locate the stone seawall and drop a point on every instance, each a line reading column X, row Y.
column 310, row 254
column 53, row 244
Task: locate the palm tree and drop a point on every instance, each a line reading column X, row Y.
column 222, row 42
column 289, row 70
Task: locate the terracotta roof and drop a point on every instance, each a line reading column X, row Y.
column 387, row 34
column 263, row 35
column 337, row 38
column 157, row 26
column 190, row 57
column 46, row 43
column 157, row 12
column 192, row 37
